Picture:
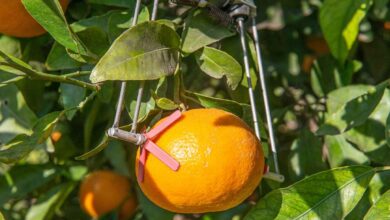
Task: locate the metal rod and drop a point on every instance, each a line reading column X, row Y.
column 142, row 85
column 265, row 96
column 240, row 22
column 137, row 106
column 124, row 84
column 274, row 176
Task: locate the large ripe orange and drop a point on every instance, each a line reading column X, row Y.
column 104, row 191
column 221, row 163
column 16, row 21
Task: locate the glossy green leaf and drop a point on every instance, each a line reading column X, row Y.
column 370, row 138
column 51, row 16
column 379, row 184
column 49, row 202
column 15, row 116
column 117, row 156
column 353, row 113
column 200, row 31
column 17, row 149
column 233, row 48
column 59, row 59
column 23, row 144
column 103, row 144
column 144, row 52
column 342, row 153
column 305, row 157
column 212, row 102
column 326, row 75
column 70, row 97
column 158, row 87
column 338, row 190
column 217, row 63
column 380, row 210
column 166, row 104
column 340, row 22
column 23, row 179
column 44, row 126
column 10, row 45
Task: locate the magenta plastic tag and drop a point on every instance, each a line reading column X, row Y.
column 152, row 148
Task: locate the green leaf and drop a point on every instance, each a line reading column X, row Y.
column 50, row 15
column 15, row 116
column 337, row 98
column 326, row 75
column 338, row 190
column 23, row 179
column 370, row 139
column 23, row 144
column 71, row 96
column 217, row 63
column 340, row 22
column 378, row 185
column 44, row 126
column 212, row 102
column 144, row 52
column 103, row 144
column 49, row 202
column 166, row 104
column 305, row 157
column 116, row 154
column 159, row 88
column 380, row 210
column 10, row 45
column 342, row 153
column 17, row 149
column 353, row 113
column 58, row 59
column 200, row 31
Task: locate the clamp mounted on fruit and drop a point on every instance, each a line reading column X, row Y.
column 246, row 146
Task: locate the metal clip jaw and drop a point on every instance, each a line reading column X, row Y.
column 134, row 138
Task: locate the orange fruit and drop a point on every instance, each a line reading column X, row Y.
column 307, row 63
column 221, row 163
column 17, row 22
column 317, row 44
column 55, row 136
column 386, row 25
column 104, row 191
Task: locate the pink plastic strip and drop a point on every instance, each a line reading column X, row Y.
column 151, row 147
column 141, row 165
column 161, row 155
column 164, row 125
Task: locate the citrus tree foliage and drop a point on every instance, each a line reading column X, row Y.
column 327, row 70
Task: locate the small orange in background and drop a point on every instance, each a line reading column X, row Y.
column 16, row 21
column 221, row 163
column 386, row 25
column 104, row 191
column 55, row 136
column 307, row 63
column 317, row 44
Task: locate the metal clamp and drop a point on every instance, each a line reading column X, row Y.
column 137, row 139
